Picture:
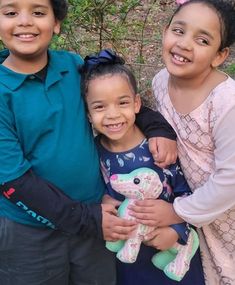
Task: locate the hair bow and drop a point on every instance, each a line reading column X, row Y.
column 105, row 56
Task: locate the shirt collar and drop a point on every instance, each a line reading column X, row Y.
column 41, row 74
column 13, row 80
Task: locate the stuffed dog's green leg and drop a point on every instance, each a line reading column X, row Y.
column 163, row 258
column 114, row 246
column 180, row 265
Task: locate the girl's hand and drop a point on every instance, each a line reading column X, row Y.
column 111, row 201
column 154, row 213
column 164, row 151
column 115, row 228
column 162, row 238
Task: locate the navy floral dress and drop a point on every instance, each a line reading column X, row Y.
column 143, row 272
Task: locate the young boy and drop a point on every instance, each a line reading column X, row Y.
column 50, row 216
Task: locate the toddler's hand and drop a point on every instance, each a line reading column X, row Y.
column 164, row 151
column 115, row 228
column 162, row 238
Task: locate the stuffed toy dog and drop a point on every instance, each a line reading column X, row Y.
column 144, row 183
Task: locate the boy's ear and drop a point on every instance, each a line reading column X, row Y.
column 137, row 103
column 220, row 57
column 89, row 117
column 57, row 25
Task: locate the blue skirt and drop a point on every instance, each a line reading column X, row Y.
column 143, row 272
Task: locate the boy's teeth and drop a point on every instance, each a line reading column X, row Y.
column 26, row 36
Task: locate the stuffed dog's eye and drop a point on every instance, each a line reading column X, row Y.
column 136, row 181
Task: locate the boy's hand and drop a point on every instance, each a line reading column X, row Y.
column 162, row 238
column 115, row 228
column 111, row 201
column 164, row 151
column 154, row 213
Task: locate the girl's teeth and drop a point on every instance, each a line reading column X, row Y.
column 180, row 58
column 115, row 125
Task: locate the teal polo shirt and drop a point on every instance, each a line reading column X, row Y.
column 44, row 127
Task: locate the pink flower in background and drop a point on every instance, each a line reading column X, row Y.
column 179, row 2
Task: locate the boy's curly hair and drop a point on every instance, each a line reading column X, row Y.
column 60, row 8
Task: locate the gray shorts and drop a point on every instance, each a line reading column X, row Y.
column 41, row 256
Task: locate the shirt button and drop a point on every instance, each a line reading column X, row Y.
column 32, row 77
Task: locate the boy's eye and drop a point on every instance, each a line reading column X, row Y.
column 38, row 13
column 124, row 103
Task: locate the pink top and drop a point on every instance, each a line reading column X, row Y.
column 206, row 144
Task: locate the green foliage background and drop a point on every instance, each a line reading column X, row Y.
column 132, row 27
column 94, row 22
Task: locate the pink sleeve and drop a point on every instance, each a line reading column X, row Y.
column 218, row 194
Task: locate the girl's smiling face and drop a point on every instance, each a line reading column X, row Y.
column 191, row 41
column 112, row 105
column 26, row 27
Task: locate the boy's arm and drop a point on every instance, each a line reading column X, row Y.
column 162, row 138
column 31, row 193
column 52, row 207
column 43, row 201
column 153, row 124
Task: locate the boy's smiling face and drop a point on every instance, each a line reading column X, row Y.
column 26, row 27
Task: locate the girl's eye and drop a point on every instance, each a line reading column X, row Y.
column 203, row 41
column 10, row 13
column 177, row 31
column 98, row 107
